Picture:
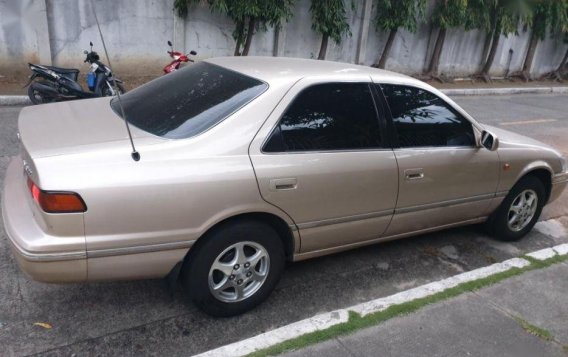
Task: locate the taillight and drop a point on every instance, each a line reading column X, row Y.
column 56, row 201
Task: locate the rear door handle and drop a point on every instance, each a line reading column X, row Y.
column 413, row 174
column 283, row 184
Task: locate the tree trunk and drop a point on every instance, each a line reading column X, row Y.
column 239, row 40
column 526, row 72
column 250, row 33
column 563, row 63
column 435, row 61
column 559, row 73
column 492, row 52
column 486, row 47
column 276, row 41
column 383, row 60
column 323, row 48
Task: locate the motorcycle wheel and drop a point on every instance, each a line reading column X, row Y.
column 105, row 92
column 36, row 97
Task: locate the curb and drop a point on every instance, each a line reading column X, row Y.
column 14, row 100
column 504, row 91
column 6, row 100
column 326, row 320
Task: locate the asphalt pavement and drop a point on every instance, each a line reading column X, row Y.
column 141, row 317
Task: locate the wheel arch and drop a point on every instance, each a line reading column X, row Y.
column 544, row 174
column 284, row 231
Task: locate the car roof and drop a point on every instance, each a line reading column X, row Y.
column 271, row 69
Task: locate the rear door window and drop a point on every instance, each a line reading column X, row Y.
column 189, row 101
column 330, row 116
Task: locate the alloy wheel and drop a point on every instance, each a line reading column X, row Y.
column 522, row 210
column 239, row 272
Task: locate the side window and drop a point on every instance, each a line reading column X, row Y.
column 422, row 119
column 331, row 116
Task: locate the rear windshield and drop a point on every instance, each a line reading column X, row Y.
column 189, row 101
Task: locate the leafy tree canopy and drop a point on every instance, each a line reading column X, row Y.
column 394, row 14
column 329, row 19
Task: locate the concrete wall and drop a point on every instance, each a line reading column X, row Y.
column 136, row 31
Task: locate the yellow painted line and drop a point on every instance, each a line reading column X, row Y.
column 525, row 122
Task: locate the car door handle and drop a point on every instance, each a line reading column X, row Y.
column 413, row 174
column 283, row 184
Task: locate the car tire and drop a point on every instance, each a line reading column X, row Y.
column 36, row 97
column 212, row 278
column 518, row 213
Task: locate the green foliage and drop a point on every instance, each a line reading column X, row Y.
column 329, row 19
column 182, row 6
column 394, row 14
column 549, row 15
column 449, row 13
column 265, row 12
column 504, row 16
column 258, row 13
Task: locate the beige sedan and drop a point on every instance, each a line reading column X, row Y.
column 246, row 163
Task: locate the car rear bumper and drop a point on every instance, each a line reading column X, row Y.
column 43, row 256
column 559, row 182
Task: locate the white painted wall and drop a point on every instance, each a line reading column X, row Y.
column 136, row 32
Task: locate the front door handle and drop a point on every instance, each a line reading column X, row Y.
column 283, row 184
column 413, row 174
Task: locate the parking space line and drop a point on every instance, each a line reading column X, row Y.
column 525, row 122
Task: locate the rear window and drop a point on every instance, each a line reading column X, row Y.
column 189, row 101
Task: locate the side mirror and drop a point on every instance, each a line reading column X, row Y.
column 170, row 43
column 91, row 44
column 192, row 53
column 489, row 141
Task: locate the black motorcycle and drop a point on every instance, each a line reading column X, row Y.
column 59, row 84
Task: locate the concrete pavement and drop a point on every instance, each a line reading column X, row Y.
column 494, row 321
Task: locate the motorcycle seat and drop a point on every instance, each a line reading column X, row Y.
column 63, row 70
column 70, row 73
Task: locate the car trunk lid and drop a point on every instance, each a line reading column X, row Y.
column 72, row 127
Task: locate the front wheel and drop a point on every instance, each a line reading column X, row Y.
column 235, row 268
column 519, row 211
column 106, row 92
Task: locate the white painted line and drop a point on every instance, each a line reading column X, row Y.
column 436, row 287
column 561, row 249
column 543, row 254
column 324, row 321
column 288, row 332
column 527, row 122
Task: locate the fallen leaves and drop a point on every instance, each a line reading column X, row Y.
column 45, row 325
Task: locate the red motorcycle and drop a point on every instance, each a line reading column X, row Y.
column 178, row 58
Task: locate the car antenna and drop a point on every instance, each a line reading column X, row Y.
column 135, row 154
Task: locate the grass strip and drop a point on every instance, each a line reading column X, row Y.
column 357, row 322
column 534, row 330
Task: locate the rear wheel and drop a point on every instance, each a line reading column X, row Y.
column 235, row 268
column 37, row 97
column 519, row 211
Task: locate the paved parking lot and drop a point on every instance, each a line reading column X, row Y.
column 133, row 318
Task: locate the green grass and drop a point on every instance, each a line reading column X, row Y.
column 357, row 321
column 534, row 330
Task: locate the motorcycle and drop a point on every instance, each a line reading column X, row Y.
column 178, row 58
column 60, row 84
